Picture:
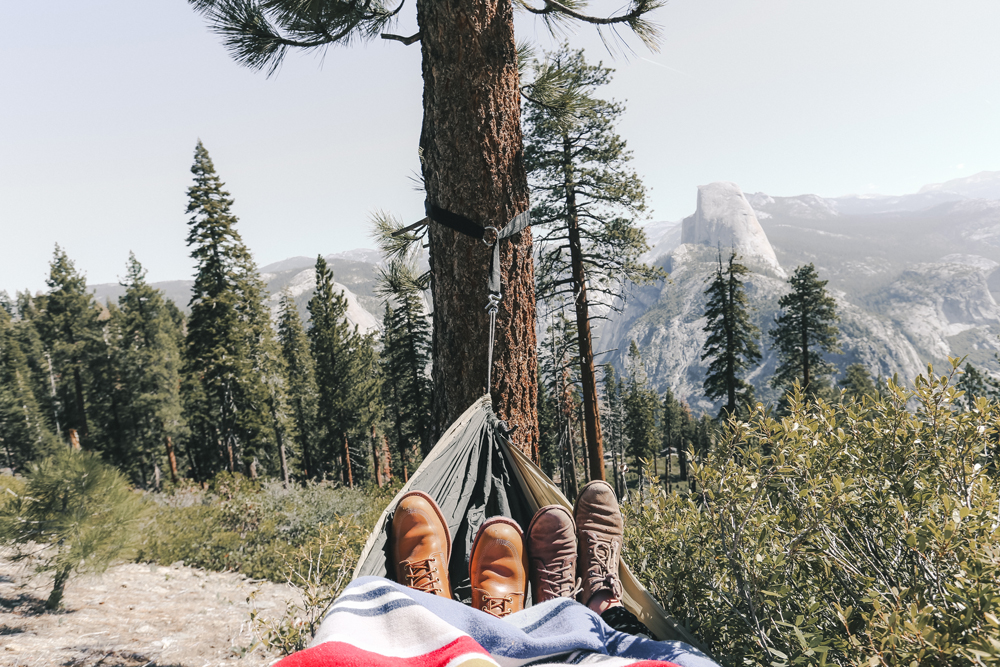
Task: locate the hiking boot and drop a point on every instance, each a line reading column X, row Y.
column 552, row 554
column 421, row 545
column 600, row 527
column 498, row 568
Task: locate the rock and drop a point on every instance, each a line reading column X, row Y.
column 724, row 219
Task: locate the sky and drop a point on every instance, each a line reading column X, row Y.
column 102, row 103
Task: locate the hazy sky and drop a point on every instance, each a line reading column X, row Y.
column 101, row 103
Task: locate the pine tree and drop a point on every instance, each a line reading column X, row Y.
column 471, row 162
column 641, row 407
column 346, row 376
column 587, row 201
column 406, row 343
column 68, row 327
column 613, row 420
column 675, row 429
column 556, row 373
column 146, row 358
column 300, row 380
column 973, row 382
column 732, row 337
column 803, row 331
column 857, row 383
column 24, row 431
column 230, row 349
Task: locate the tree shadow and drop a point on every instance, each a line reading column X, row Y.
column 101, row 657
column 26, row 604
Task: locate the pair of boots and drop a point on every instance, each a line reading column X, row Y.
column 500, row 567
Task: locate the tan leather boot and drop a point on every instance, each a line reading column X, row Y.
column 552, row 554
column 599, row 527
column 421, row 545
column 498, row 568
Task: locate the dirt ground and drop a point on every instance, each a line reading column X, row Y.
column 134, row 616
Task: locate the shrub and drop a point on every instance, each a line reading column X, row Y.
column 74, row 514
column 848, row 533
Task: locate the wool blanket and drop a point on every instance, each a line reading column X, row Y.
column 376, row 622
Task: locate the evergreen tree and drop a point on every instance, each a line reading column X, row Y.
column 406, row 343
column 803, row 331
column 556, row 373
column 68, row 327
column 300, row 380
column 975, row 384
column 732, row 337
column 587, row 200
column 857, row 383
column 641, row 406
column 613, row 420
column 471, row 161
column 148, row 336
column 548, row 431
column 346, row 376
column 24, row 432
column 230, row 349
column 675, row 428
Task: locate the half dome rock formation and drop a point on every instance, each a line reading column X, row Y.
column 725, row 219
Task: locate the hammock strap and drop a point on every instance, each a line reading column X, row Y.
column 491, row 236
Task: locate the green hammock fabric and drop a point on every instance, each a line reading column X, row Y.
column 474, row 473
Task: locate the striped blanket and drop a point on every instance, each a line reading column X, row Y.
column 377, row 622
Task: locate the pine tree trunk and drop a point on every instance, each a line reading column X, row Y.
column 387, row 460
column 375, row 463
column 588, row 377
column 282, row 458
column 472, row 160
column 172, row 459
column 574, row 486
column 347, row 463
column 58, row 585
column 583, row 446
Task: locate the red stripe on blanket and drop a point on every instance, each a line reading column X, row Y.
column 339, row 654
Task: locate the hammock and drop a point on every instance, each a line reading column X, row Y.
column 474, row 473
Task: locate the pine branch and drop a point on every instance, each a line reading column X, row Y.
column 399, row 38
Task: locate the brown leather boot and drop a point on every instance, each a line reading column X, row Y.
column 552, row 554
column 421, row 545
column 498, row 568
column 600, row 527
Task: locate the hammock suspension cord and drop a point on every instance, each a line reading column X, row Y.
column 491, row 236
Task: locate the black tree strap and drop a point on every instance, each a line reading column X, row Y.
column 491, row 236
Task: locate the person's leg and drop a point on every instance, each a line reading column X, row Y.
column 498, row 568
column 421, row 545
column 600, row 530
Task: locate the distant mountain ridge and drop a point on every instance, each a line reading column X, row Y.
column 916, row 278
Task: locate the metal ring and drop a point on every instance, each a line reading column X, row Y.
column 496, row 236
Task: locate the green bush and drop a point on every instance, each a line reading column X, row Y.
column 72, row 513
column 251, row 527
column 847, row 534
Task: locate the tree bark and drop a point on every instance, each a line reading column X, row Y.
column 172, row 459
column 473, row 164
column 58, row 586
column 347, row 463
column 375, row 463
column 588, row 378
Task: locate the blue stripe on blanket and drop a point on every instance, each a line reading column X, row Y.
column 391, row 605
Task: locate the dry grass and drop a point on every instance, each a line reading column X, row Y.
column 134, row 616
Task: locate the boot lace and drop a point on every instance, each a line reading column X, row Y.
column 423, row 575
column 599, row 575
column 557, row 580
column 498, row 606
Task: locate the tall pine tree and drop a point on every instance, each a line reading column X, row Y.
column 732, row 337
column 803, row 331
column 68, row 327
column 300, row 378
column 149, row 336
column 230, row 350
column 471, row 163
column 346, row 376
column 25, row 434
column 587, row 201
column 641, row 407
